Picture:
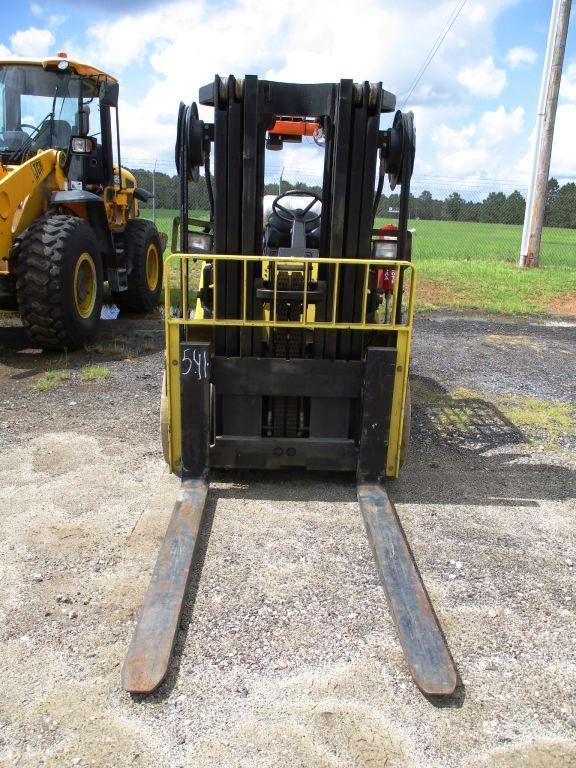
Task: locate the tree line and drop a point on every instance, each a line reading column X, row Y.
column 495, row 208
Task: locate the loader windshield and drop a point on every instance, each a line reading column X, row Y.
column 40, row 109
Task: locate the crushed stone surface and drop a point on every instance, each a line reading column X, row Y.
column 287, row 656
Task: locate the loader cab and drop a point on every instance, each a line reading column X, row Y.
column 44, row 103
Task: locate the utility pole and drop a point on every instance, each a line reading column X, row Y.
column 545, row 120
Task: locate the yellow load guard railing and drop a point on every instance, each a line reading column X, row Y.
column 188, row 313
column 182, row 269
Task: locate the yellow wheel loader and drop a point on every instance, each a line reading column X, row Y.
column 68, row 210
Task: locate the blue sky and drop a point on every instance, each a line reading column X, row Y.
column 474, row 106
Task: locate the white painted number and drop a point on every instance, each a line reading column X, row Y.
column 197, row 364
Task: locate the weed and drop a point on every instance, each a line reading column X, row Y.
column 117, row 347
column 544, row 417
column 51, row 379
column 91, row 372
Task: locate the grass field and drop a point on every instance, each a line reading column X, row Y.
column 466, row 266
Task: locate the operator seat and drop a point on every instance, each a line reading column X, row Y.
column 278, row 231
column 61, row 133
column 14, row 139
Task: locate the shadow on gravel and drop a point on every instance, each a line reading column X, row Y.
column 456, row 701
column 13, row 339
column 132, row 336
column 458, row 455
column 468, row 424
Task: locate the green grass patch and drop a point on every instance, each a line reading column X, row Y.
column 491, row 286
column 472, row 266
column 118, row 346
column 92, row 372
column 550, row 419
column 50, row 380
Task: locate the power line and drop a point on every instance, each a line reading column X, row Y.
column 434, row 50
column 310, row 173
column 457, row 180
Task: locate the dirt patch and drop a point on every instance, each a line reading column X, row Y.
column 311, row 721
column 509, row 340
column 540, row 754
column 564, row 305
column 431, row 295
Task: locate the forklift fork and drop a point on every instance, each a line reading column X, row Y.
column 420, row 635
column 148, row 657
column 421, row 638
column 422, row 641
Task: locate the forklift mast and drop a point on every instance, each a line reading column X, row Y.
column 322, row 405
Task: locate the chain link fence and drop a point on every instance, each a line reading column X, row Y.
column 450, row 219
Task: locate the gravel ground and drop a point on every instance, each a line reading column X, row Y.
column 287, row 656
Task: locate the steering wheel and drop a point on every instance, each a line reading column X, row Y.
column 27, row 125
column 286, row 214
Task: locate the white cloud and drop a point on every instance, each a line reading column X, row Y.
column 36, row 9
column 563, row 161
column 500, row 126
column 563, row 156
column 56, row 20
column 5, row 53
column 568, row 83
column 477, row 13
column 151, row 49
column 521, row 56
column 32, row 42
column 479, row 148
column 483, row 78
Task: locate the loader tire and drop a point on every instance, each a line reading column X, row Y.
column 164, row 420
column 406, row 425
column 59, row 282
column 143, row 250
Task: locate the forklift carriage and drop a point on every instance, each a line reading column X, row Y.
column 288, row 345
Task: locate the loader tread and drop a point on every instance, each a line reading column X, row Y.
column 138, row 236
column 41, row 281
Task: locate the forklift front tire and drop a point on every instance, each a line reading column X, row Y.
column 406, row 425
column 164, row 420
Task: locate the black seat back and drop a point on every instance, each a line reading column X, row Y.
column 279, row 231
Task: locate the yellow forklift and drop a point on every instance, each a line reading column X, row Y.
column 288, row 336
column 68, row 210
